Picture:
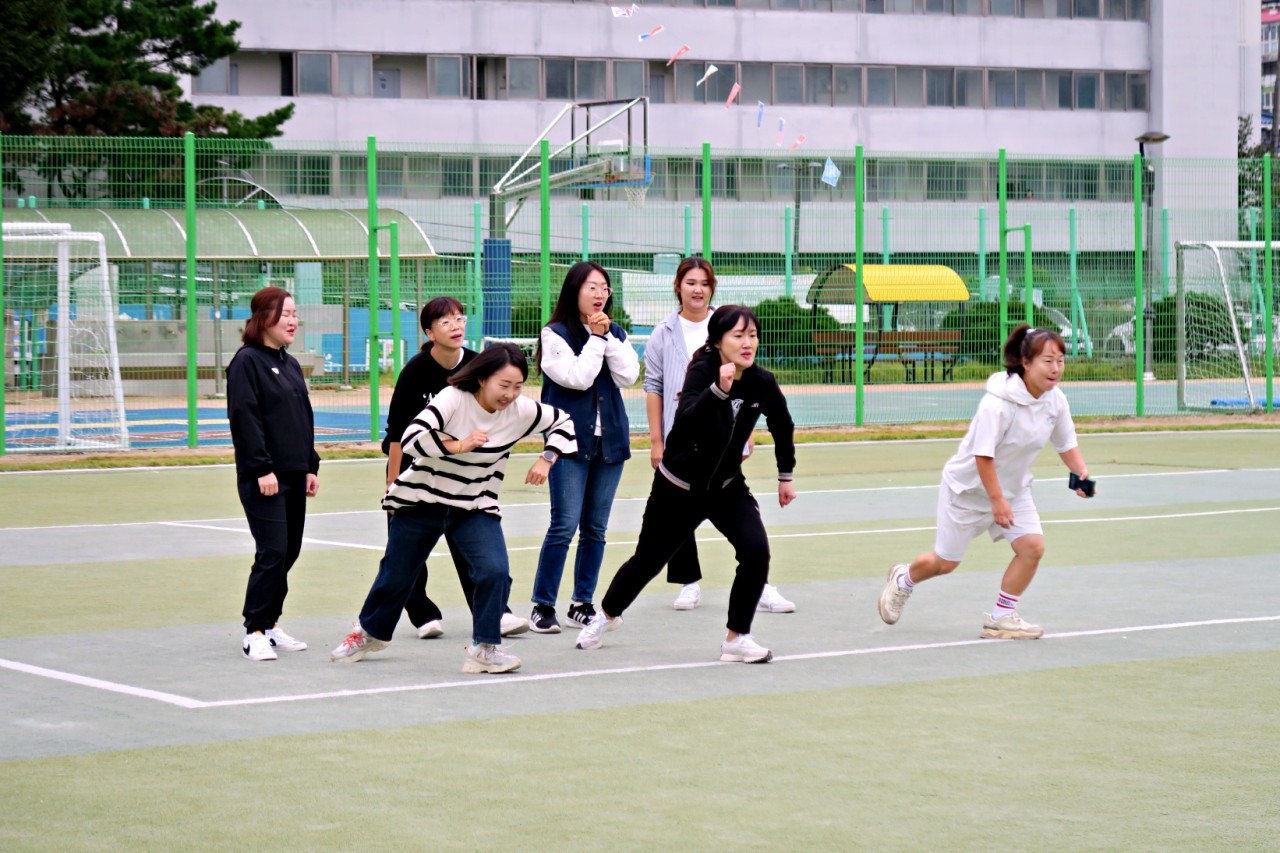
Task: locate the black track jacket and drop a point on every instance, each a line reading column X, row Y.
column 272, row 426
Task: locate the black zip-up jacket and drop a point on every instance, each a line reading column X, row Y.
column 704, row 449
column 272, row 426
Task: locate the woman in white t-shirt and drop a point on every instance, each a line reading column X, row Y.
column 666, row 358
column 986, row 485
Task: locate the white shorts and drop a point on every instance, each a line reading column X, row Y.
column 966, row 516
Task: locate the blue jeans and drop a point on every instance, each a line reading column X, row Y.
column 414, row 532
column 581, row 499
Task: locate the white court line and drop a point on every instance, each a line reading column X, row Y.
column 196, row 704
column 506, row 508
column 306, row 539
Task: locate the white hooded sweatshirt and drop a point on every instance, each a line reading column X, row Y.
column 1012, row 427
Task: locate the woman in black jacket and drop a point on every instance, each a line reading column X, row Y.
column 273, row 431
column 700, row 477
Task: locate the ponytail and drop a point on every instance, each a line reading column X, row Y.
column 1025, row 343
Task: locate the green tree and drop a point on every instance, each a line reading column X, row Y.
column 110, row 68
column 786, row 327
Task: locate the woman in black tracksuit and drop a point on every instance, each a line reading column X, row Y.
column 700, row 477
column 273, row 431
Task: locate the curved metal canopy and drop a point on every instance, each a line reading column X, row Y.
column 888, row 283
column 222, row 234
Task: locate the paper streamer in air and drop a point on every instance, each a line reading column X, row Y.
column 759, row 113
column 799, row 141
column 831, row 173
column 624, row 11
column 684, row 48
column 711, row 69
column 653, row 32
column 733, row 93
column 782, row 125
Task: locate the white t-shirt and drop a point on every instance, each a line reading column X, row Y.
column 695, row 334
column 1011, row 427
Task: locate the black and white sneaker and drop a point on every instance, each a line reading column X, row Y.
column 543, row 620
column 580, row 615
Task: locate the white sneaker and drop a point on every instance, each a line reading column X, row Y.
column 356, row 645
column 513, row 624
column 1010, row 627
column 430, row 630
column 280, row 639
column 744, row 649
column 256, row 646
column 487, row 657
column 893, row 597
column 690, row 596
column 592, row 634
column 771, row 601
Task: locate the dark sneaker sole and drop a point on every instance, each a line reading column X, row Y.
column 550, row 629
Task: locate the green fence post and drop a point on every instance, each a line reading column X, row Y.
column 1002, row 194
column 193, row 367
column 375, row 343
column 586, row 232
column 859, row 329
column 4, row 350
column 396, row 341
column 787, row 249
column 1267, row 282
column 706, row 200
column 884, row 235
column 1028, row 307
column 982, row 249
column 1164, row 251
column 1139, row 322
column 476, row 276
column 544, row 220
column 1074, row 268
column 688, row 230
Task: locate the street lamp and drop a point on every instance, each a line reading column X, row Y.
column 1151, row 137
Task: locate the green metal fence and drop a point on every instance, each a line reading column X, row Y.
column 363, row 233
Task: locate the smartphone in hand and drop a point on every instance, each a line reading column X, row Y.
column 1075, row 481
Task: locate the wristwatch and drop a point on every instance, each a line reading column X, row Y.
column 550, row 455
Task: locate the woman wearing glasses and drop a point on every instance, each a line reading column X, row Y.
column 584, row 358
column 444, row 323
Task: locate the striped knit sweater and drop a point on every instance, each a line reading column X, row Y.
column 470, row 480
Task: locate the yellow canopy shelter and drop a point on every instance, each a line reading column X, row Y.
column 888, row 283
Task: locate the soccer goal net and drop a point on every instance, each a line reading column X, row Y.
column 1217, row 330
column 62, row 373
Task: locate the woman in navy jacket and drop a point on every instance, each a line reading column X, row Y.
column 273, row 432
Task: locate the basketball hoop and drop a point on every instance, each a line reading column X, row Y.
column 636, row 195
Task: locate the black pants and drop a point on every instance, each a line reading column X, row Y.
column 670, row 517
column 276, row 523
column 683, row 567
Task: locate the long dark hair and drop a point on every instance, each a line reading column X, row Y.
column 265, row 309
column 566, row 311
column 693, row 262
column 1025, row 343
column 488, row 363
column 723, row 321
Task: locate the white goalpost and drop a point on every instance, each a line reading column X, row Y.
column 84, row 376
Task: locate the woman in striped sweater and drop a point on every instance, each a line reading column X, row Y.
column 460, row 444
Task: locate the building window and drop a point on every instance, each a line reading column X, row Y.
column 969, row 88
column 522, row 79
column 456, row 177
column 817, row 85
column 628, row 79
column 1057, row 90
column 1113, row 85
column 1031, row 90
column 1114, row 10
column 355, row 74
column 1088, row 9
column 910, row 89
column 1138, row 88
column 880, row 86
column 724, row 178
column 968, row 7
column 1087, row 94
column 757, row 83
column 788, row 84
column 591, row 79
column 1004, row 7
column 848, row 86
column 939, row 87
column 215, row 79
column 559, row 77
column 1003, row 89
column 314, row 74
column 1139, row 10
column 449, row 76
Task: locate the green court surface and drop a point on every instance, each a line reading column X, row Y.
column 1144, row 719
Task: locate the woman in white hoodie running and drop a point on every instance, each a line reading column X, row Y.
column 986, row 485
